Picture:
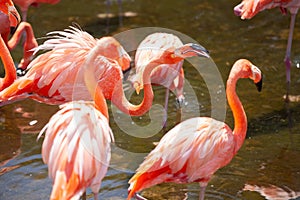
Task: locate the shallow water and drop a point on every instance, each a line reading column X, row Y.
column 270, row 154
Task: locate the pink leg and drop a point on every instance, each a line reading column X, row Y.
column 202, row 190
column 30, row 43
column 287, row 58
column 95, row 196
column 139, row 197
column 166, row 107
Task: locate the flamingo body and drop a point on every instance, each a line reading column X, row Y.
column 190, row 152
column 195, row 149
column 77, row 149
column 78, row 137
column 56, row 76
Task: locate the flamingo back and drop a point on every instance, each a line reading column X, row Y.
column 76, row 148
column 190, row 152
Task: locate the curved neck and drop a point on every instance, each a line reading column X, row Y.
column 119, row 99
column 239, row 115
column 9, row 67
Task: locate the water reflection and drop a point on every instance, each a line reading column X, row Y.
column 270, row 155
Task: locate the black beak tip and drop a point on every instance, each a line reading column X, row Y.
column 259, row 84
column 199, row 48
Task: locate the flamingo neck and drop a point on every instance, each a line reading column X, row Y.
column 239, row 115
column 10, row 71
column 91, row 82
column 100, row 103
column 120, row 100
column 136, row 110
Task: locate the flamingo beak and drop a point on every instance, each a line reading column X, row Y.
column 137, row 87
column 14, row 16
column 190, row 50
column 259, row 84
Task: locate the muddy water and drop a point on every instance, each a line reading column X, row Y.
column 270, row 154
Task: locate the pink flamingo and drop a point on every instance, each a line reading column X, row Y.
column 77, row 142
column 25, row 4
column 196, row 148
column 9, row 16
column 53, row 75
column 249, row 8
column 56, row 77
column 170, row 76
column 11, row 43
column 25, row 27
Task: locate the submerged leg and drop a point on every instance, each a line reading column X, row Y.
column 166, row 108
column 139, row 197
column 120, row 13
column 287, row 58
column 202, row 190
column 95, row 196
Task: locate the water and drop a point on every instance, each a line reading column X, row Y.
column 270, row 154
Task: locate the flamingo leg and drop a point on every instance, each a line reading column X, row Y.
column 108, row 12
column 120, row 13
column 83, row 197
column 202, row 191
column 139, row 197
column 166, row 108
column 95, row 196
column 287, row 58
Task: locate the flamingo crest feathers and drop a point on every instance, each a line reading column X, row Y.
column 69, row 38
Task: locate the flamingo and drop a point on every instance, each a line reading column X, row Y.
column 49, row 81
column 11, row 43
column 249, row 8
column 52, row 76
column 9, row 16
column 77, row 139
column 25, row 4
column 171, row 76
column 196, row 148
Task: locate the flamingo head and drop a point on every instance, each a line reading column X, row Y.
column 174, row 55
column 191, row 50
column 112, row 49
column 7, row 7
column 170, row 56
column 249, row 70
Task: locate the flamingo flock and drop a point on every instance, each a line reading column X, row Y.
column 80, row 73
